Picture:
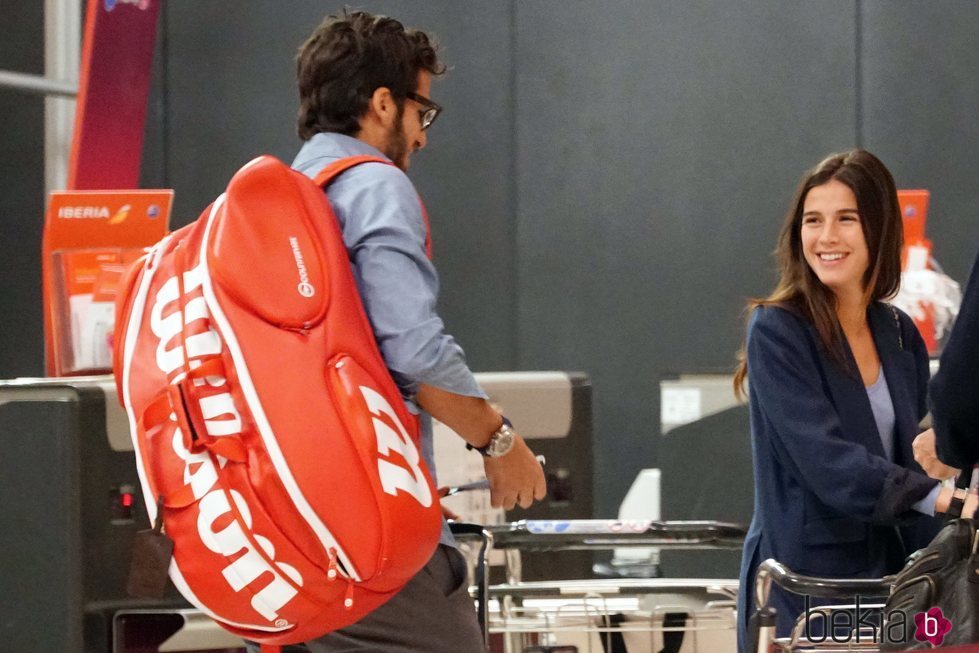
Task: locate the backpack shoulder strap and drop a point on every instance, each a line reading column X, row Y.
column 338, row 167
column 335, row 169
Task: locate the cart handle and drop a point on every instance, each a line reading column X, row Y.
column 584, row 534
column 478, row 533
column 773, row 571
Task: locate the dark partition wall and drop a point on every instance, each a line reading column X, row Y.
column 230, row 95
column 606, row 183
column 658, row 145
column 920, row 105
column 21, row 192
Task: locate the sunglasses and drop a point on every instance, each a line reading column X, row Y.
column 429, row 111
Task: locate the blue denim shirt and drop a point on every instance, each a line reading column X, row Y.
column 380, row 215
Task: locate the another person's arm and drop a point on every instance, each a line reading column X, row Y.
column 954, row 391
column 926, row 455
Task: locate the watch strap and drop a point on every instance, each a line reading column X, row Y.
column 484, row 450
column 955, row 504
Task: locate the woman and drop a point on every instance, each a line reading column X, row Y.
column 837, row 381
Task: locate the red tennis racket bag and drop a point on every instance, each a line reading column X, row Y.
column 263, row 415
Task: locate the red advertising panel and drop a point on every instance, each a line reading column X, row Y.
column 117, row 59
column 914, row 212
column 90, row 237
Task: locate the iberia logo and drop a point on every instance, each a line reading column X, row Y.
column 120, row 215
column 932, row 626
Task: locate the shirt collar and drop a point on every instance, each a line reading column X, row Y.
column 326, row 146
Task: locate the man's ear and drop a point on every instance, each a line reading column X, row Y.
column 383, row 107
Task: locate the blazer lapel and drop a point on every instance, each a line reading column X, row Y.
column 898, row 364
column 850, row 398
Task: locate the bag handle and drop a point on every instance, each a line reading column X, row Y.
column 174, row 400
column 188, row 411
column 178, row 399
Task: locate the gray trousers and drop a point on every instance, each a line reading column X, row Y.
column 433, row 613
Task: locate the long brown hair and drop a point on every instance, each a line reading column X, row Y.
column 799, row 289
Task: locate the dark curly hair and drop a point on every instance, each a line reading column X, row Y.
column 350, row 56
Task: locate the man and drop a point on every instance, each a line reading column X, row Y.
column 954, row 395
column 364, row 84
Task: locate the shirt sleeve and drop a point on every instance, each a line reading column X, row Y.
column 927, row 505
column 807, row 434
column 384, row 230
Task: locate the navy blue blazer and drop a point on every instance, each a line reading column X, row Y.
column 827, row 501
column 955, row 389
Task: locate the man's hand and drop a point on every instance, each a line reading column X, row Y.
column 924, row 453
column 515, row 477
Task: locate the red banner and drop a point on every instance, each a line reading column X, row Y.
column 117, row 61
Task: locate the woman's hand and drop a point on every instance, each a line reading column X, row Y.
column 971, row 506
column 924, row 453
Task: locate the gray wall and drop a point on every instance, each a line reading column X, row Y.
column 648, row 215
column 607, row 180
column 21, row 193
column 919, row 110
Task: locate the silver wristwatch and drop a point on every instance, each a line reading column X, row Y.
column 500, row 442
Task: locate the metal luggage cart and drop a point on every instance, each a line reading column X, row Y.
column 761, row 635
column 601, row 615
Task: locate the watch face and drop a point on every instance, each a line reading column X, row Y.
column 502, row 442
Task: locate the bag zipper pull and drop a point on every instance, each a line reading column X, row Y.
column 348, row 598
column 331, row 574
column 331, row 570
